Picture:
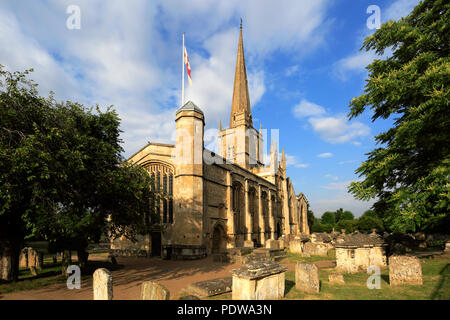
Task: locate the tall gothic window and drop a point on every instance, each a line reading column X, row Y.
column 162, row 176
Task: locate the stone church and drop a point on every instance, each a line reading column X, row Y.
column 216, row 202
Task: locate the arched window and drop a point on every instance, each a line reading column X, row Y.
column 162, row 176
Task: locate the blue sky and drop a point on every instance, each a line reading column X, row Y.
column 303, row 65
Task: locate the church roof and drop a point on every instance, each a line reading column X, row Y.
column 190, row 106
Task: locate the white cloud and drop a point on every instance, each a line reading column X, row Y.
column 291, row 70
column 325, row 155
column 306, row 108
column 398, row 9
column 330, row 176
column 338, row 129
column 292, row 161
column 352, row 64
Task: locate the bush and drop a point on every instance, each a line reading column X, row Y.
column 367, row 223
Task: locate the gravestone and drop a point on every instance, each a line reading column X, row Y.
column 262, row 280
column 307, row 277
column 151, row 290
column 103, row 287
column 405, row 270
column 23, row 259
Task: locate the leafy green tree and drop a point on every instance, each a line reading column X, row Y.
column 348, row 225
column 408, row 172
column 370, row 213
column 311, row 218
column 347, row 215
column 367, row 224
column 61, row 172
column 328, row 218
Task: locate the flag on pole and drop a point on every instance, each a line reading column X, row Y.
column 188, row 66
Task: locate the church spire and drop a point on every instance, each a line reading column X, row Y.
column 240, row 107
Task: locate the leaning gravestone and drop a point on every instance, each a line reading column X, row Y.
column 405, row 270
column 103, row 288
column 307, row 277
column 151, row 290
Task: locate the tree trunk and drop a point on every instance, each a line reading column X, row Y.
column 66, row 261
column 82, row 257
column 9, row 260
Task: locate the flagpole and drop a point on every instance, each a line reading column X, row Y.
column 182, row 81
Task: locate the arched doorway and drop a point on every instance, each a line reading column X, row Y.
column 218, row 239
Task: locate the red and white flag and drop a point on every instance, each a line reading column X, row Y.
column 188, row 66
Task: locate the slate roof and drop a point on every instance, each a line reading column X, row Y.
column 190, row 106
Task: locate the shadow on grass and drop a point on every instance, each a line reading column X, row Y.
column 288, row 285
column 441, row 292
column 385, row 278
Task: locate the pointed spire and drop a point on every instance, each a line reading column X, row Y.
column 220, row 125
column 240, row 106
column 283, row 159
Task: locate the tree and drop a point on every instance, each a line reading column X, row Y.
column 409, row 170
column 348, row 225
column 347, row 215
column 61, row 171
column 311, row 218
column 338, row 214
column 328, row 218
column 367, row 224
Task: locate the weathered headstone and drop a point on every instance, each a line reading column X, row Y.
column 23, row 259
column 35, row 258
column 404, row 270
column 151, row 290
column 263, row 280
column 336, row 278
column 5, row 267
column 103, row 287
column 307, row 277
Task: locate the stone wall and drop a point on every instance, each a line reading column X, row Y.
column 352, row 260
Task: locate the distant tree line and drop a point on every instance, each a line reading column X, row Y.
column 345, row 220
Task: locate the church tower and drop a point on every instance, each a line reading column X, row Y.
column 241, row 143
